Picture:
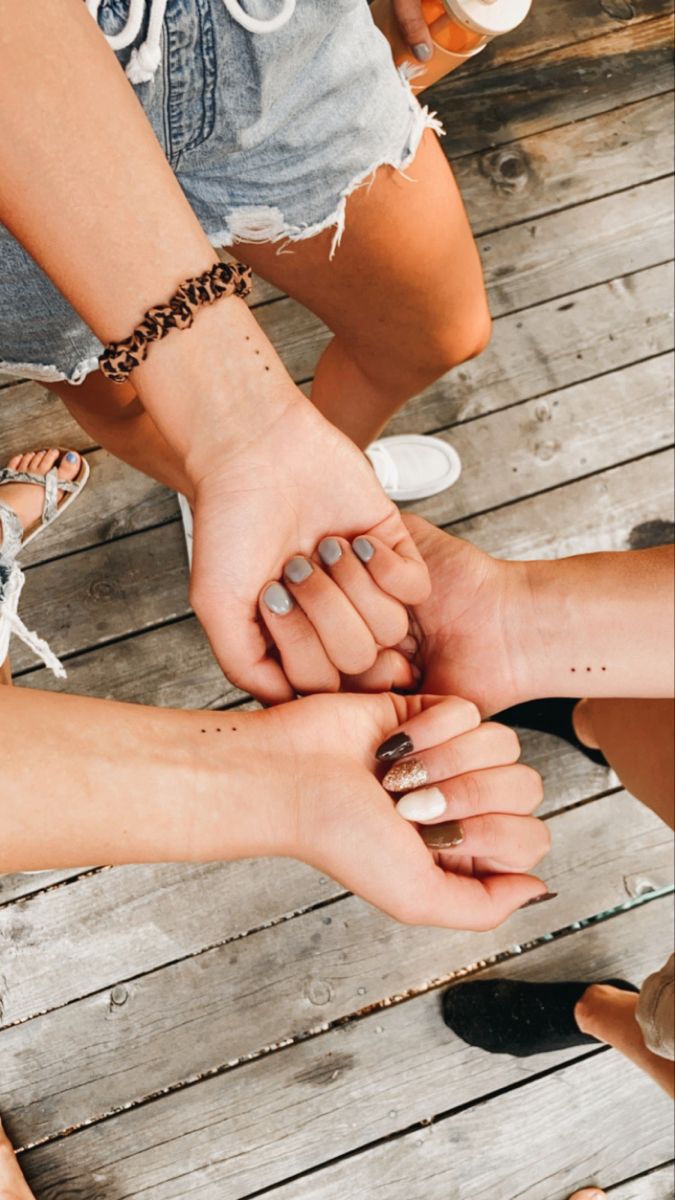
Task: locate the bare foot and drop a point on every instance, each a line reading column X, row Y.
column 27, row 499
column 13, row 1186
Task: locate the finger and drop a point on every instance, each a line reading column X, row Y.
column 395, row 563
column 403, row 879
column 391, row 670
column 414, row 28
column 249, row 665
column 516, row 789
column 305, row 662
column 488, row 745
column 438, row 720
column 386, row 617
column 507, row 842
column 345, row 637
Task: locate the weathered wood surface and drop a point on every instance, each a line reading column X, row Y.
column 657, row 1185
column 328, row 1096
column 536, row 1143
column 484, row 106
column 110, row 1049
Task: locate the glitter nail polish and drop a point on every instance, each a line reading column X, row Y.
column 406, row 775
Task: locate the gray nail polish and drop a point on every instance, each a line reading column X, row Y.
column 277, row 599
column 363, row 549
column 330, row 551
column 298, row 569
column 422, row 52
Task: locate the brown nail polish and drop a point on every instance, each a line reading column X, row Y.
column 443, row 837
column 540, row 899
column 406, row 775
column 394, row 747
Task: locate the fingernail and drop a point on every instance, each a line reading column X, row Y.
column 443, row 837
column 71, row 457
column 404, row 775
column 330, row 551
column 363, row 549
column 394, row 747
column 425, row 805
column 422, row 52
column 540, row 899
column 298, row 569
column 278, row 600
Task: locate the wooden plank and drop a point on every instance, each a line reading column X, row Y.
column 121, row 922
column 570, row 164
column 109, row 1050
column 550, row 346
column 658, row 1185
column 526, row 264
column 483, row 106
column 613, row 510
column 321, row 1098
column 544, row 443
column 16, row 887
column 599, row 1120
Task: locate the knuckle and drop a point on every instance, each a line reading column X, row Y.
column 468, row 791
column 472, row 713
column 506, row 740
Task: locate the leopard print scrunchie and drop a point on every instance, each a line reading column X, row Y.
column 224, row 279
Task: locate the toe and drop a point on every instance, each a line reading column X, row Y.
column 69, row 465
column 26, row 460
column 13, row 463
column 49, row 459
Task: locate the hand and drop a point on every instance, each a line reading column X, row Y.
column 345, row 823
column 414, row 28
column 471, row 637
column 271, row 498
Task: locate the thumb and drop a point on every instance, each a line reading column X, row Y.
column 414, row 28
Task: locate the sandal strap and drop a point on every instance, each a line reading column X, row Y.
column 12, row 533
column 51, row 484
column 12, row 580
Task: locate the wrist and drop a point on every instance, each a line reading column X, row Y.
column 214, row 387
column 241, row 802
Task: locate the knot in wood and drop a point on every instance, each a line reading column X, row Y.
column 319, row 992
column 507, row 167
column 618, row 10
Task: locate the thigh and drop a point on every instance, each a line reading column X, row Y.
column 638, row 739
column 406, row 282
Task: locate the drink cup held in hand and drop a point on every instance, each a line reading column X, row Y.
column 459, row 29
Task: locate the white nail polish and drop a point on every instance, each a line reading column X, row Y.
column 423, row 805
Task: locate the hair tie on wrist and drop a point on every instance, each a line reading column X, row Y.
column 119, row 359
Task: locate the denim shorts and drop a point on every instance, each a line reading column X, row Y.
column 267, row 132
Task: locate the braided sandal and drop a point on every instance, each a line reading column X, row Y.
column 14, row 538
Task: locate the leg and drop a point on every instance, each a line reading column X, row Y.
column 5, row 674
column 113, row 415
column 404, row 304
column 13, row 1186
column 636, row 737
column 609, row 1014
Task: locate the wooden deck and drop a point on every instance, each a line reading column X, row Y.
column 231, row 1031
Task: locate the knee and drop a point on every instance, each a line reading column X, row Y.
column 450, row 344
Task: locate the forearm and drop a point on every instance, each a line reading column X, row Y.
column 90, row 781
column 601, row 625
column 86, row 188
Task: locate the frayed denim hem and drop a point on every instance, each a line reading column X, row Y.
column 266, row 224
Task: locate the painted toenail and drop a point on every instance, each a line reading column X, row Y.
column 71, row 457
column 363, row 549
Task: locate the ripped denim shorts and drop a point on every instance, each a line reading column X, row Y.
column 270, row 113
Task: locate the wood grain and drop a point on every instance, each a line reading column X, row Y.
column 329, row 1096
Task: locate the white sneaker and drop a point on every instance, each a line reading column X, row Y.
column 188, row 525
column 413, row 467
